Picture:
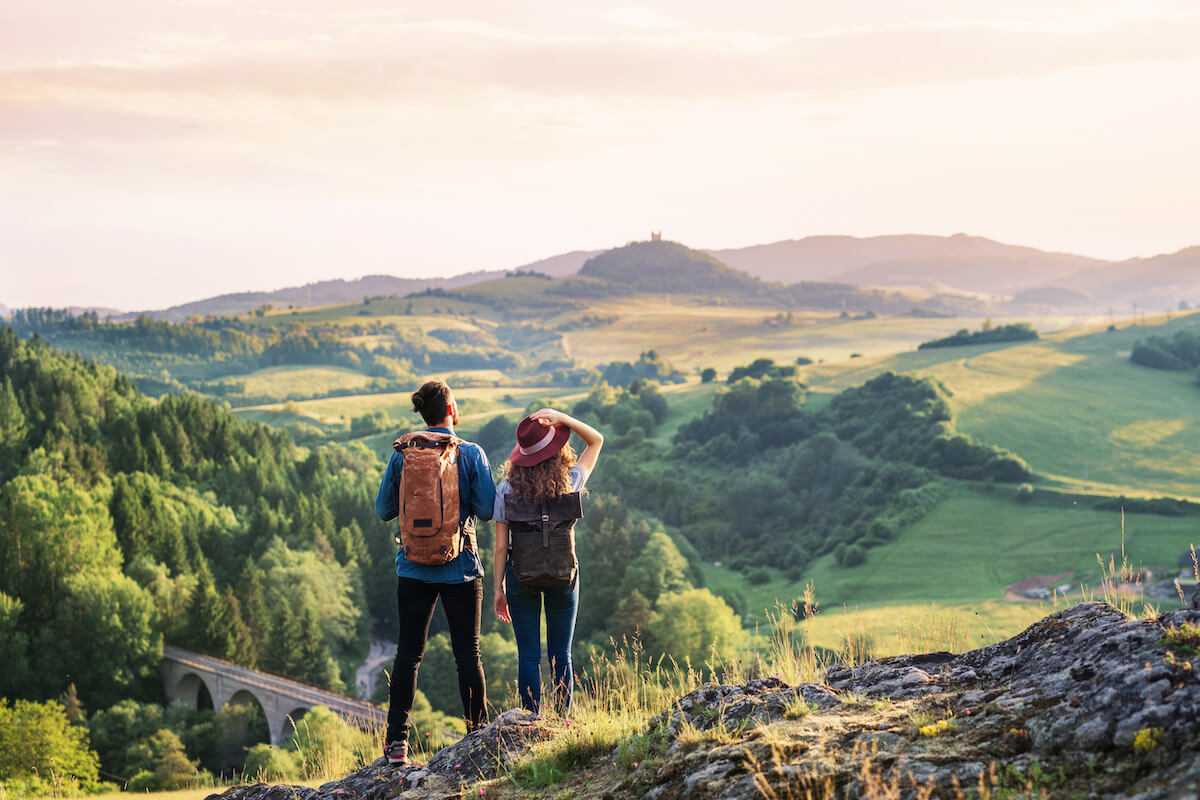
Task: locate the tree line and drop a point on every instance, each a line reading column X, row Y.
column 988, row 334
column 1177, row 352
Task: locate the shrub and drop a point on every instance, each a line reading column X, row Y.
column 36, row 739
column 270, row 764
column 759, row 576
column 1024, row 492
column 855, row 555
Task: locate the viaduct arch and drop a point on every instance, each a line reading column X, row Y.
column 281, row 699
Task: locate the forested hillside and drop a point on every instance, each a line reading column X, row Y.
column 210, row 356
column 126, row 522
column 759, row 481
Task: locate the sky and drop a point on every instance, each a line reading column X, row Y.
column 154, row 152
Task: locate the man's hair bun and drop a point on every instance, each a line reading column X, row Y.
column 432, row 401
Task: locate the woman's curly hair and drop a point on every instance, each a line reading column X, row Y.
column 544, row 481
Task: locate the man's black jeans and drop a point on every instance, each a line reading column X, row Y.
column 463, row 603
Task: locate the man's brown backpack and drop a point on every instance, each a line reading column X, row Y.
column 542, row 537
column 430, row 532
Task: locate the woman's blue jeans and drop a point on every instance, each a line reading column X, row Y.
column 525, row 607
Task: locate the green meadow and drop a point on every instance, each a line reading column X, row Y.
column 956, row 562
column 284, row 381
column 1072, row 404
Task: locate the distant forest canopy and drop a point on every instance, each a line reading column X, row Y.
column 125, row 522
column 203, row 355
column 759, row 481
column 766, row 368
column 1177, row 352
column 648, row 367
column 988, row 334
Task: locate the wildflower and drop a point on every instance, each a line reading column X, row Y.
column 968, row 712
column 458, row 766
column 426, row 734
column 1147, row 739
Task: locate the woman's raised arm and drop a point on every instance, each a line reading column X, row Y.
column 593, row 440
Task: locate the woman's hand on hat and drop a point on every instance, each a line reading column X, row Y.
column 550, row 416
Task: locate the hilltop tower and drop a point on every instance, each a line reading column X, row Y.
column 656, row 236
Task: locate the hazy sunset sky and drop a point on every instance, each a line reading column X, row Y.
column 158, row 151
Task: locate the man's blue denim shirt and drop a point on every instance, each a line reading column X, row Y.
column 477, row 497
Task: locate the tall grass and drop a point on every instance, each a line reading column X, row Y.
column 615, row 697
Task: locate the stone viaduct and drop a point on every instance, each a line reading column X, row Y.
column 281, row 700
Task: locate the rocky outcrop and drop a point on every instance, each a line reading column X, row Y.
column 479, row 756
column 1085, row 703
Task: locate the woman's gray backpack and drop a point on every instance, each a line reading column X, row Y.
column 542, row 537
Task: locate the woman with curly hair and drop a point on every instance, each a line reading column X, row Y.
column 543, row 475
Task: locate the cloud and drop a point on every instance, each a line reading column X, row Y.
column 641, row 17
column 41, row 122
column 453, row 61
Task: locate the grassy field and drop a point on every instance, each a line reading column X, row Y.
column 1072, row 404
column 1101, row 422
column 962, row 556
column 284, row 381
column 695, row 336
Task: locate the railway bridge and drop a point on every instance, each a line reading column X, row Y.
column 281, row 699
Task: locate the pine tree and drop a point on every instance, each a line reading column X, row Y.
column 210, row 624
column 72, row 705
column 283, row 648
column 630, row 619
column 243, row 649
column 254, row 604
column 12, row 429
column 315, row 665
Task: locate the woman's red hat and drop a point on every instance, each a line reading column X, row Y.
column 537, row 442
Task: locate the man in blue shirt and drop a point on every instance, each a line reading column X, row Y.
column 458, row 583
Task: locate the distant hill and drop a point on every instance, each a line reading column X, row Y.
column 334, row 292
column 322, row 293
column 970, row 263
column 1153, row 283
column 666, row 267
column 5, row 311
column 1053, row 296
column 560, row 265
column 670, row 267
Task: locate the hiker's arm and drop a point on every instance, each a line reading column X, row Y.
column 593, row 440
column 387, row 500
column 499, row 567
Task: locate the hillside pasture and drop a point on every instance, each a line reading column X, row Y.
column 1072, row 404
column 300, row 380
column 963, row 555
column 1101, row 423
column 692, row 335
